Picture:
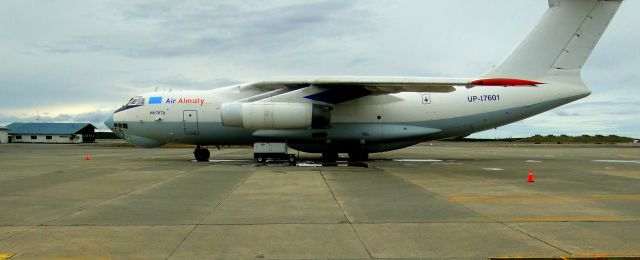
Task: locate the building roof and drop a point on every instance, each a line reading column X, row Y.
column 47, row 128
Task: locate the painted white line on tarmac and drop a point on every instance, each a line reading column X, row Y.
column 618, row 161
column 417, row 160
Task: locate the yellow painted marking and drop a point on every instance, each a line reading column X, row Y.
column 606, row 256
column 509, row 198
column 549, row 219
column 4, row 256
column 572, row 257
column 82, row 258
column 626, row 156
column 561, row 219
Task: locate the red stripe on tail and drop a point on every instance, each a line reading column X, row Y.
column 504, row 82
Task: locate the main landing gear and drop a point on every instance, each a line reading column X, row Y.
column 329, row 156
column 358, row 156
column 201, row 153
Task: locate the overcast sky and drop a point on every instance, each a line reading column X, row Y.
column 79, row 60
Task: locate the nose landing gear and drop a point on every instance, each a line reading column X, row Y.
column 201, row 154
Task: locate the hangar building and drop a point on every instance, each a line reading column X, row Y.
column 4, row 135
column 51, row 133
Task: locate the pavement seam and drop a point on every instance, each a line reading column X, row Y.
column 353, row 228
column 441, row 196
column 311, row 223
column 494, row 219
column 119, row 196
column 225, row 198
column 534, row 237
column 33, row 227
column 209, row 213
column 181, row 242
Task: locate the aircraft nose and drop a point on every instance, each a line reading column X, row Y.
column 109, row 122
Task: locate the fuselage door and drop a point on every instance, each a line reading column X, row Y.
column 190, row 119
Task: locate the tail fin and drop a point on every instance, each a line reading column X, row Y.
column 562, row 40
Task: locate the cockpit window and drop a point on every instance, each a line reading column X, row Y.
column 133, row 102
column 136, row 101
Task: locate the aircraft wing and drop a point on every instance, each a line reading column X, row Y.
column 338, row 89
column 376, row 85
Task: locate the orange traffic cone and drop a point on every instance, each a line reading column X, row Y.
column 86, row 156
column 530, row 179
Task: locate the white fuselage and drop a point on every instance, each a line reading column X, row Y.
column 195, row 116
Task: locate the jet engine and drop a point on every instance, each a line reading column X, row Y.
column 276, row 115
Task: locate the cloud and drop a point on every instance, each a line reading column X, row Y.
column 600, row 117
column 564, row 113
column 181, row 82
column 193, row 28
column 70, row 59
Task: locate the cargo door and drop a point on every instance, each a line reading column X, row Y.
column 190, row 119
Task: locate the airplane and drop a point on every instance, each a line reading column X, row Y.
column 359, row 115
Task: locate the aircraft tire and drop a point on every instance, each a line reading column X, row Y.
column 358, row 156
column 329, row 156
column 292, row 160
column 202, row 155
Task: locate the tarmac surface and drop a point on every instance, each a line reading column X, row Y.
column 446, row 200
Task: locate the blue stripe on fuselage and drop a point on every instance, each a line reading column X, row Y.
column 155, row 100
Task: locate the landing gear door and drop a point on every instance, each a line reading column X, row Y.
column 190, row 119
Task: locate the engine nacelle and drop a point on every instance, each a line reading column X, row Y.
column 275, row 115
